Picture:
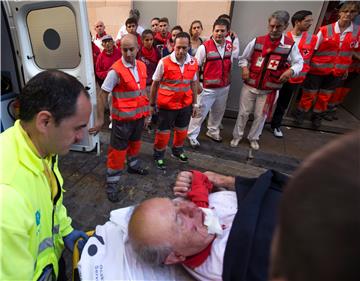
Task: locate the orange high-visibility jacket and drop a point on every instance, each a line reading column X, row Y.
column 129, row 100
column 266, row 71
column 330, row 58
column 217, row 70
column 306, row 47
column 175, row 90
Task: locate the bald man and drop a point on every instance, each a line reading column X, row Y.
column 201, row 231
column 99, row 28
column 127, row 82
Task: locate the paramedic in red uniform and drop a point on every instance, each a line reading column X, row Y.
column 215, row 55
column 301, row 21
column 174, row 81
column 329, row 64
column 265, row 67
column 127, row 82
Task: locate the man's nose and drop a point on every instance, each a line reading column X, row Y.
column 79, row 136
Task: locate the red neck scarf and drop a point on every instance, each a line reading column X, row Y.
column 151, row 54
column 161, row 39
column 199, row 194
column 270, row 45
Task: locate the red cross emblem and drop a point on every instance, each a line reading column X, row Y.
column 273, row 64
column 228, row 47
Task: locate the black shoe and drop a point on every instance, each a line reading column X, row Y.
column 112, row 192
column 316, row 120
column 160, row 164
column 299, row 117
column 328, row 116
column 113, row 196
column 182, row 157
column 138, row 170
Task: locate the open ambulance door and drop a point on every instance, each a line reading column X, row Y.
column 54, row 35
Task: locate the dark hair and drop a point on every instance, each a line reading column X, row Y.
column 134, row 13
column 146, row 32
column 319, row 224
column 164, row 19
column 182, row 35
column 226, row 17
column 191, row 25
column 51, row 90
column 221, row 21
column 176, row 27
column 299, row 16
column 156, row 18
column 131, row 20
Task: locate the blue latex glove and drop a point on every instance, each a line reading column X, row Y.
column 72, row 237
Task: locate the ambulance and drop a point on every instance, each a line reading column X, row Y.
column 41, row 35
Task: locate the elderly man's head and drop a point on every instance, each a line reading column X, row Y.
column 278, row 22
column 164, row 231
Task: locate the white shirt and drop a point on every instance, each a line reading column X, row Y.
column 296, row 38
column 236, row 46
column 159, row 71
column 109, row 256
column 212, row 268
column 320, row 36
column 122, row 31
column 112, row 78
column 98, row 42
column 201, row 52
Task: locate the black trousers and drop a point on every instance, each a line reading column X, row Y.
column 285, row 94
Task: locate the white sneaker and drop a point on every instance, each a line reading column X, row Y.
column 254, row 144
column 214, row 137
column 277, row 133
column 110, row 125
column 235, row 142
column 194, row 143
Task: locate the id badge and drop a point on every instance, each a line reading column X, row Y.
column 259, row 61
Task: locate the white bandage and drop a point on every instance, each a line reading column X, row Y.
column 212, row 221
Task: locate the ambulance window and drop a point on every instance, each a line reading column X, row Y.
column 54, row 37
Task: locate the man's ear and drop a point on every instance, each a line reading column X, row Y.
column 42, row 120
column 174, row 258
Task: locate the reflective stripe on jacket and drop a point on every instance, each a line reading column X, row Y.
column 266, row 71
column 129, row 100
column 31, row 223
column 217, row 70
column 330, row 58
column 175, row 87
column 306, row 48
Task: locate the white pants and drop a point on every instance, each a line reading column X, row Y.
column 214, row 100
column 250, row 103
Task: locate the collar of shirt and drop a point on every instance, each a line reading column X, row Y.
column 348, row 29
column 173, row 58
column 219, row 46
column 126, row 64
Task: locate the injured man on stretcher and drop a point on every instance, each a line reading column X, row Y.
column 219, row 228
